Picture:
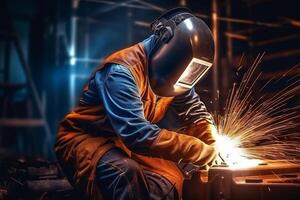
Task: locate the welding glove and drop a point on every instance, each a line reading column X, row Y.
column 203, row 130
column 206, row 132
column 188, row 169
column 180, row 147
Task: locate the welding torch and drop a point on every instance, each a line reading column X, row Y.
column 188, row 169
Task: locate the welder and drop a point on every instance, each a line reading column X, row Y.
column 116, row 143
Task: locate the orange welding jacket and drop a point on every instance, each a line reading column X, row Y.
column 78, row 150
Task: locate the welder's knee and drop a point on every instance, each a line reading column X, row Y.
column 131, row 169
column 115, row 164
column 120, row 177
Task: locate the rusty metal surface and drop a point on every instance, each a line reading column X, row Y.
column 272, row 180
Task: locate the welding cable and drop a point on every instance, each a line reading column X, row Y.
column 167, row 194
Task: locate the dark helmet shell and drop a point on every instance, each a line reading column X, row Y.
column 191, row 38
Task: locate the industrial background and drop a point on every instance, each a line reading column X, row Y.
column 48, row 48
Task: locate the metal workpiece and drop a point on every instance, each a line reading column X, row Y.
column 269, row 180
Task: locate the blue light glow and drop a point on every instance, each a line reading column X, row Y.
column 72, row 61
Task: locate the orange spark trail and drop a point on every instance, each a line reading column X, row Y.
column 260, row 130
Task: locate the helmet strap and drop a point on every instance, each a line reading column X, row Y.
column 164, row 29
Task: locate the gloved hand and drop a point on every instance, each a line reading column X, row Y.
column 204, row 131
column 188, row 169
column 180, row 147
column 211, row 154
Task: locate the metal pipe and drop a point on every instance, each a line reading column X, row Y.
column 226, row 78
column 250, row 22
column 34, row 92
column 148, row 6
column 89, row 60
column 229, row 52
column 276, row 40
column 87, row 42
column 282, row 54
column 110, row 7
column 237, row 21
column 142, row 23
column 72, row 50
column 120, row 4
column 215, row 74
column 151, row 5
column 241, row 21
column 231, row 35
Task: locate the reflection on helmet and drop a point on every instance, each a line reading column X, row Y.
column 183, row 53
column 193, row 72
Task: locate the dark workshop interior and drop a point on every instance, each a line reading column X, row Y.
column 49, row 48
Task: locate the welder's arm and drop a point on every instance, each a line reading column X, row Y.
column 124, row 108
column 194, row 118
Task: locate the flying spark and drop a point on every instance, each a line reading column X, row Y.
column 253, row 131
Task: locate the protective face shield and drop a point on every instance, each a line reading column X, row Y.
column 183, row 53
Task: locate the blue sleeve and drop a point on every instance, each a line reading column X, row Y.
column 124, row 108
column 190, row 109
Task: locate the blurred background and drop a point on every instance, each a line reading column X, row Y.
column 48, row 48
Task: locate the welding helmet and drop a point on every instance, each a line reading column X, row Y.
column 182, row 53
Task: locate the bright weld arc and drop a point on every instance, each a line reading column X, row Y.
column 251, row 133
